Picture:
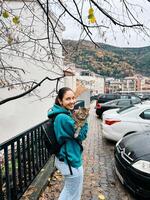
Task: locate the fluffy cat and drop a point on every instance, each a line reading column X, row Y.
column 80, row 116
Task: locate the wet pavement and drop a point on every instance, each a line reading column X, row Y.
column 100, row 181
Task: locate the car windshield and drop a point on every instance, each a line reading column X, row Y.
column 126, row 109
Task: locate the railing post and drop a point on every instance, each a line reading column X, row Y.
column 7, row 175
column 1, row 178
column 13, row 160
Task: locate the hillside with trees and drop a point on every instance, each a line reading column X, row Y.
column 108, row 60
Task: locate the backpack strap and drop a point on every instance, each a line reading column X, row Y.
column 79, row 143
column 68, row 162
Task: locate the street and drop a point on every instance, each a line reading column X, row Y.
column 99, row 177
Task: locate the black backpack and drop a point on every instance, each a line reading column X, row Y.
column 49, row 136
column 50, row 140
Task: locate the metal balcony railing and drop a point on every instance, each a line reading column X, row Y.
column 21, row 159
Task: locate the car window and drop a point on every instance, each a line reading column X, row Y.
column 145, row 114
column 124, row 103
column 111, row 103
column 124, row 97
column 106, row 97
column 110, row 96
column 101, row 96
column 126, row 109
column 136, row 100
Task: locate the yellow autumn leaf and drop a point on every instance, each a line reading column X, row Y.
column 5, row 14
column 90, row 16
column 101, row 197
column 10, row 40
column 92, row 19
column 16, row 20
column 91, row 11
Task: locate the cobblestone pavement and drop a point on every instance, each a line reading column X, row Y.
column 99, row 176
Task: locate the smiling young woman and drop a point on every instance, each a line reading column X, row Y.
column 67, row 99
column 69, row 159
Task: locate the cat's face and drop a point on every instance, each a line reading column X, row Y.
column 82, row 113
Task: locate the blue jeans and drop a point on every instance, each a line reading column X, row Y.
column 73, row 184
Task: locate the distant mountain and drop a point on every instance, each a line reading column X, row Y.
column 108, row 60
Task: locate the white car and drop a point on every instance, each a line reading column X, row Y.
column 118, row 123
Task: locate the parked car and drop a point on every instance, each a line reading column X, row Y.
column 146, row 97
column 103, row 98
column 118, row 103
column 132, row 163
column 94, row 97
column 125, row 121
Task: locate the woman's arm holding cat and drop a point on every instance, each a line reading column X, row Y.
column 83, row 132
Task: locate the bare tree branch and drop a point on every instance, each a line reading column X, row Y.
column 115, row 21
column 31, row 89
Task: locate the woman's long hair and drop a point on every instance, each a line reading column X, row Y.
column 61, row 94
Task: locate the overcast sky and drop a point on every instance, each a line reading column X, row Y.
column 114, row 36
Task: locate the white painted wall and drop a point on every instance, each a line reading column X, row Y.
column 93, row 82
column 70, row 81
column 85, row 96
column 21, row 114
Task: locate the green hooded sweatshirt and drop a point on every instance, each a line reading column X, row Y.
column 64, row 129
